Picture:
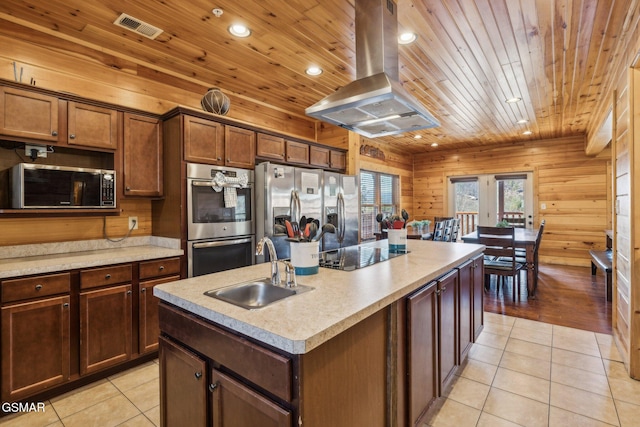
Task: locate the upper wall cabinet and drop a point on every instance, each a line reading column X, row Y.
column 270, row 147
column 319, row 156
column 142, row 156
column 203, row 141
column 91, row 126
column 297, row 152
column 239, row 147
column 27, row 114
column 337, row 159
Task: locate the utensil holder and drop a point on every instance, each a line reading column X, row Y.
column 397, row 240
column 305, row 257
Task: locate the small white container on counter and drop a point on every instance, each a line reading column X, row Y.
column 305, row 257
column 397, row 240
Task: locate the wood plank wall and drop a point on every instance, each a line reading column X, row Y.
column 99, row 76
column 574, row 188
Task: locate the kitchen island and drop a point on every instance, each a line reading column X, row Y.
column 356, row 350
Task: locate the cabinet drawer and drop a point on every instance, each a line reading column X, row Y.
column 105, row 276
column 160, row 267
column 261, row 366
column 33, row 287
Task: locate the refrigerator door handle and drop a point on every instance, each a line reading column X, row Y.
column 342, row 217
column 294, row 206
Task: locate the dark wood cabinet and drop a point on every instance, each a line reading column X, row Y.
column 478, row 295
column 297, row 152
column 142, row 156
column 27, row 114
column 105, row 327
column 152, row 273
column 447, row 327
column 422, row 351
column 319, row 156
column 465, row 272
column 270, row 147
column 236, row 405
column 35, row 346
column 338, row 160
column 183, row 386
column 92, row 126
column 203, row 141
column 239, row 147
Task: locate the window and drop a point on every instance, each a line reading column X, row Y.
column 378, row 194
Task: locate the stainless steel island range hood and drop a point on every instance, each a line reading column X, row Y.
column 375, row 104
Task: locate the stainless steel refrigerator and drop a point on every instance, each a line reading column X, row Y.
column 285, row 192
column 341, row 204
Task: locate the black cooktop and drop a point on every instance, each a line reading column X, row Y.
column 354, row 257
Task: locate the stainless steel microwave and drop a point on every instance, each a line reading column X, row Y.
column 46, row 186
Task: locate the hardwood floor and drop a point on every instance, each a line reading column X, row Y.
column 566, row 296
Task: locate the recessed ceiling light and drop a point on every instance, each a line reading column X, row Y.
column 435, row 144
column 314, row 71
column 239, row 30
column 407, row 38
column 523, row 121
column 418, row 136
column 527, row 132
column 512, row 100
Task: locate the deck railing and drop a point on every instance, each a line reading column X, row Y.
column 468, row 221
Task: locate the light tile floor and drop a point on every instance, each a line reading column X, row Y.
column 527, row 373
column 518, row 373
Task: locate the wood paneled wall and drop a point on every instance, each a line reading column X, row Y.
column 574, row 187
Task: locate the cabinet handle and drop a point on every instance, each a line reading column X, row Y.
column 72, row 136
column 54, row 133
column 107, row 276
column 129, row 292
column 38, row 287
column 143, row 290
column 213, row 386
column 128, row 188
column 161, row 268
column 228, row 160
column 65, row 305
column 198, row 375
column 218, row 158
column 444, row 289
column 438, row 291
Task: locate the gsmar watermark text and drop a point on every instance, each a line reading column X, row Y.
column 22, row 406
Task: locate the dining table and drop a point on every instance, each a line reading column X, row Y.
column 524, row 238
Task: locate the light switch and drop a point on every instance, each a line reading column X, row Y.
column 543, row 206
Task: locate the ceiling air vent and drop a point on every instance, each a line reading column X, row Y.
column 140, row 27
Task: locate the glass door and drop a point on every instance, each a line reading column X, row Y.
column 490, row 199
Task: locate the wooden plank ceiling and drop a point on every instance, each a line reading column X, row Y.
column 470, row 55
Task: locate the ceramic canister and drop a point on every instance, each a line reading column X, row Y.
column 397, row 240
column 305, row 257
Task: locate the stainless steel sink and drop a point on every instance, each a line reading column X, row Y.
column 255, row 294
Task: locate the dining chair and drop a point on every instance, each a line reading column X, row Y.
column 500, row 243
column 521, row 256
column 438, row 231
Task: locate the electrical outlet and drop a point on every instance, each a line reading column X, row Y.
column 133, row 223
column 40, row 150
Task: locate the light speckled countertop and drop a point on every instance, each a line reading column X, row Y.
column 24, row 260
column 340, row 299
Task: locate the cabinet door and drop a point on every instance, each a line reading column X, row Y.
column 91, row 126
column 465, row 276
column 447, row 327
column 478, row 295
column 142, row 157
column 35, row 347
column 297, row 152
column 239, row 147
column 236, row 405
column 149, row 330
column 183, row 387
column 105, row 328
column 338, row 159
column 422, row 345
column 203, row 141
column 28, row 114
column 270, row 147
column 319, row 156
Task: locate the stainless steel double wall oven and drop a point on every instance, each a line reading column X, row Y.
column 220, row 215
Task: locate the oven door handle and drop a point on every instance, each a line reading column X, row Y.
column 221, row 243
column 211, row 185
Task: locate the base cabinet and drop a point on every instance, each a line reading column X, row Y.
column 447, row 327
column 183, row 386
column 236, row 405
column 466, row 300
column 478, row 295
column 35, row 346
